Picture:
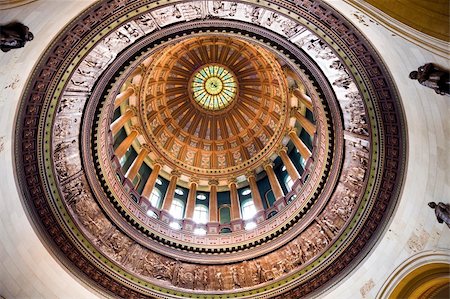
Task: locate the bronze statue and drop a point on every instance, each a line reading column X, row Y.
column 442, row 212
column 14, row 35
column 431, row 76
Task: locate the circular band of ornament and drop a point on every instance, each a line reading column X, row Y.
column 42, row 195
column 313, row 190
column 256, row 118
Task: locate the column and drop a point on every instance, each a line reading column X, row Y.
column 192, row 196
column 137, row 163
column 213, row 208
column 304, row 122
column 303, row 98
column 303, row 150
column 126, row 143
column 150, row 184
column 276, row 188
column 257, row 201
column 235, row 208
column 138, row 71
column 290, row 167
column 120, row 122
column 123, row 96
column 168, row 198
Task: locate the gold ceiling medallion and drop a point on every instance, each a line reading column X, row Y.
column 214, row 87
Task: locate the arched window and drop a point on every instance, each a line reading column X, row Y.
column 177, row 209
column 201, row 214
column 124, row 158
column 152, row 214
column 248, row 209
column 302, row 162
column 137, row 179
column 155, row 198
column 288, row 182
column 224, row 214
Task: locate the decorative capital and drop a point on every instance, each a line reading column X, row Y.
column 291, row 130
column 135, row 87
column 158, row 162
column 293, row 111
column 250, row 173
column 147, row 147
column 232, row 180
column 194, row 180
column 213, row 182
column 133, row 109
column 175, row 173
column 137, row 129
column 268, row 163
column 282, row 148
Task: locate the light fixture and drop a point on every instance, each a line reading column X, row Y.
column 201, row 196
column 246, row 192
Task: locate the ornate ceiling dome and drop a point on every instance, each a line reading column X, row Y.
column 212, row 106
column 287, row 100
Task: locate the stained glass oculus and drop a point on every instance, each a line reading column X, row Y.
column 214, row 87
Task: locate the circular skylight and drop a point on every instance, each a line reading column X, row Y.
column 214, row 87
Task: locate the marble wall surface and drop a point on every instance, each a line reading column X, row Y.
column 27, row 268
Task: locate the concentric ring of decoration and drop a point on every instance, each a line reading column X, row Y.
column 237, row 244
column 213, row 144
column 213, row 87
column 39, row 183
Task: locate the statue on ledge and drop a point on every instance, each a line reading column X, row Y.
column 430, row 76
column 14, row 35
column 442, row 212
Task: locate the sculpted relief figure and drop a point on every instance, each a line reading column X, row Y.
column 330, row 225
column 122, row 246
column 71, row 191
column 224, row 9
column 64, row 127
column 14, row 35
column 205, row 279
column 164, row 269
column 442, row 212
column 219, row 279
column 260, row 273
column 298, row 254
column 147, row 23
column 340, row 211
column 183, row 277
column 236, row 278
column 72, row 104
column 433, row 77
column 198, row 279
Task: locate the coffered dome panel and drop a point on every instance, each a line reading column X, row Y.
column 237, row 132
